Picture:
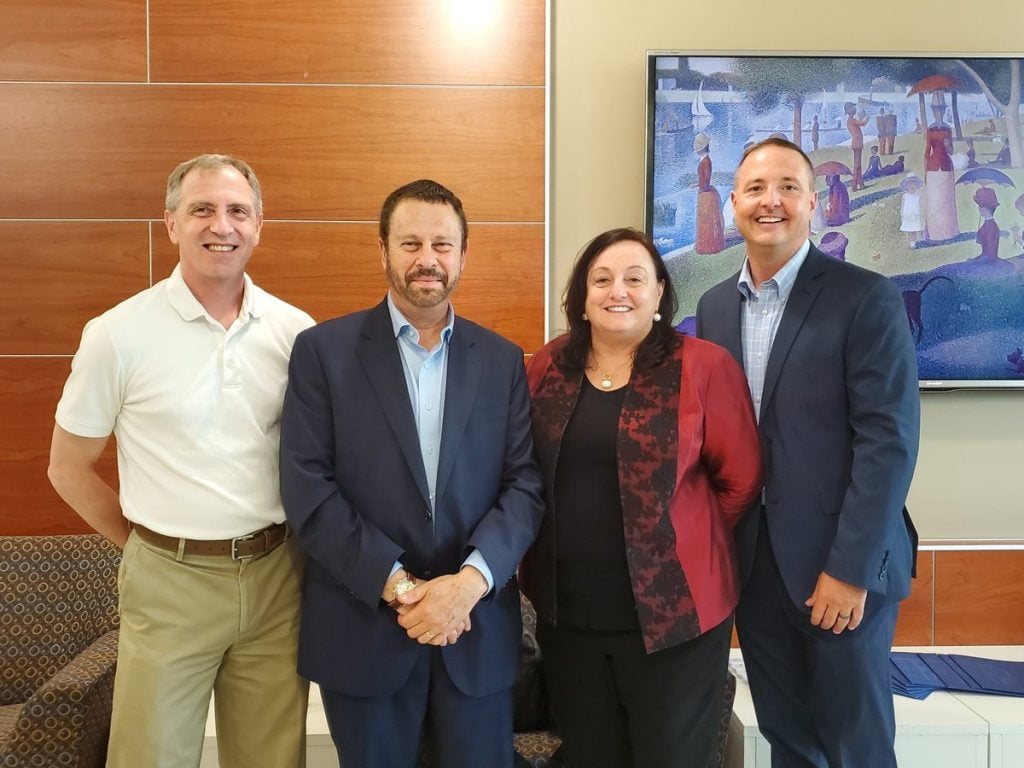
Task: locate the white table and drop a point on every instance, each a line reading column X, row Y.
column 940, row 732
column 1004, row 714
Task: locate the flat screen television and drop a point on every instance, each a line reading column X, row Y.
column 934, row 198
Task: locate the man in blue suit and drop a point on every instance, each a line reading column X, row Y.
column 407, row 472
column 829, row 553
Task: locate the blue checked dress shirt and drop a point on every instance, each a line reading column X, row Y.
column 761, row 314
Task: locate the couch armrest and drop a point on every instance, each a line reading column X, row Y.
column 69, row 715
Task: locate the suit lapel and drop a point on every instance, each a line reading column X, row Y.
column 733, row 336
column 462, row 380
column 801, row 298
column 378, row 354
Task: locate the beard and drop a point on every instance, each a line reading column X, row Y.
column 416, row 295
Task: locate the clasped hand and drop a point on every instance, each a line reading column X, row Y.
column 436, row 611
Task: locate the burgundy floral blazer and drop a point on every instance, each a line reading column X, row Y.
column 689, row 466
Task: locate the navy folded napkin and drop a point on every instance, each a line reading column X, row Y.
column 918, row 674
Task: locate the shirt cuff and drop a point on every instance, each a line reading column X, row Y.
column 477, row 561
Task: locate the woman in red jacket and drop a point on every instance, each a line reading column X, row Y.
column 650, row 452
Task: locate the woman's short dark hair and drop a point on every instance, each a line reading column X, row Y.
column 660, row 342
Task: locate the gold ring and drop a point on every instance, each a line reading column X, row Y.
column 845, row 616
column 428, row 635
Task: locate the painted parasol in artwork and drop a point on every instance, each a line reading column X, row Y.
column 935, row 83
column 985, row 176
column 830, row 167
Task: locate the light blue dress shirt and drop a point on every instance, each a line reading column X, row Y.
column 761, row 314
column 426, row 378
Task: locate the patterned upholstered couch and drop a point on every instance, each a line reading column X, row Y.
column 535, row 744
column 58, row 621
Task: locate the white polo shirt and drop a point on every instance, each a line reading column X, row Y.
column 195, row 408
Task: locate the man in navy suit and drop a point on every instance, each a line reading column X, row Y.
column 829, row 552
column 407, row 472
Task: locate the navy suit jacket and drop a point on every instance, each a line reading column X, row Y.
column 839, row 426
column 355, row 492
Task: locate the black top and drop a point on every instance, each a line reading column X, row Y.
column 593, row 584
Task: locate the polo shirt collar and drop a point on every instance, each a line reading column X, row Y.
column 187, row 305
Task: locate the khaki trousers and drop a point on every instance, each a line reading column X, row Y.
column 194, row 624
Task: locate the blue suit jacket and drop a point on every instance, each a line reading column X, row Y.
column 839, row 425
column 355, row 492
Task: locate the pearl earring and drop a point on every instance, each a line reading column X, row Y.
column 657, row 317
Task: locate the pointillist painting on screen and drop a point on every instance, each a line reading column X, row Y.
column 919, row 167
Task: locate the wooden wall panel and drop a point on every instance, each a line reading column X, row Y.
column 335, row 104
column 978, row 598
column 74, row 40
column 29, row 391
column 54, row 276
column 333, row 269
column 321, row 153
column 503, row 269
column 914, row 626
column 359, row 41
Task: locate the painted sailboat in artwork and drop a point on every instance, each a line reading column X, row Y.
column 702, row 116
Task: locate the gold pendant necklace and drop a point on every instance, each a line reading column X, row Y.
column 606, row 377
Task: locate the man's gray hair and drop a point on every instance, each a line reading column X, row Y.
column 211, row 162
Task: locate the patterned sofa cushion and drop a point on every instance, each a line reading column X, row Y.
column 57, row 595
column 58, row 618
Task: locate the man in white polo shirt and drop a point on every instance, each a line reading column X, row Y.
column 189, row 376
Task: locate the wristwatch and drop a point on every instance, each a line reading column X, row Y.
column 402, row 586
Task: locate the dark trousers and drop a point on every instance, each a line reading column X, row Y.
column 822, row 700
column 615, row 706
column 460, row 731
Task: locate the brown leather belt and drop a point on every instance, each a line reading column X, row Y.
column 251, row 545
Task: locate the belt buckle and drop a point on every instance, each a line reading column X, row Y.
column 249, row 537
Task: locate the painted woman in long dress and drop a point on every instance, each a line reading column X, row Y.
column 837, row 206
column 939, row 190
column 710, row 224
